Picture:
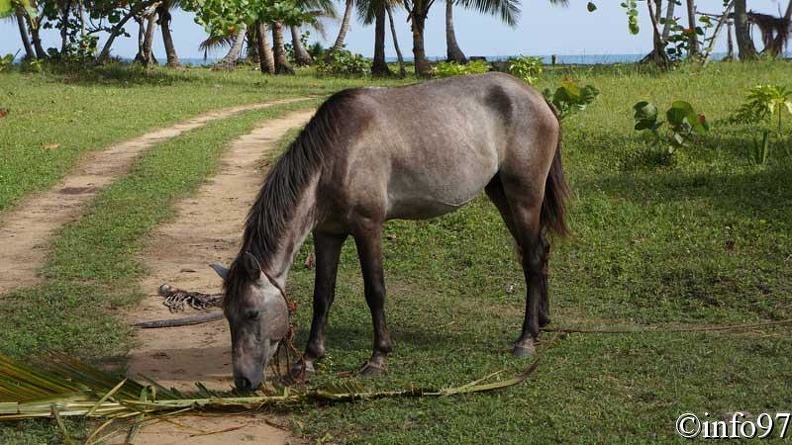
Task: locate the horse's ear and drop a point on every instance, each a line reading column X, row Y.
column 222, row 271
column 251, row 265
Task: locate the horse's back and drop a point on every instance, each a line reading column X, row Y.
column 424, row 150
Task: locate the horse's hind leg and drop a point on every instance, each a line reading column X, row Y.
column 328, row 251
column 368, row 238
column 520, row 206
column 498, row 197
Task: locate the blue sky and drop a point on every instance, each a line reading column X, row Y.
column 543, row 29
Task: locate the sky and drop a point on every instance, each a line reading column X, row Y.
column 543, row 29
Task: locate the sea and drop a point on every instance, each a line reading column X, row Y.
column 582, row 59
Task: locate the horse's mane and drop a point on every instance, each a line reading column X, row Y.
column 278, row 198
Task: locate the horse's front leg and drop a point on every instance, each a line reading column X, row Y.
column 368, row 239
column 327, row 248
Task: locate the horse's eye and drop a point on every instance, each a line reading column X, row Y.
column 253, row 315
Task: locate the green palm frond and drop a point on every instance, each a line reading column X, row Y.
column 507, row 10
column 213, row 43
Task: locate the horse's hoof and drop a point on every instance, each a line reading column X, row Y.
column 370, row 369
column 302, row 371
column 524, row 349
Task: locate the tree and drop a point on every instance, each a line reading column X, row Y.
column 418, row 11
column 453, row 52
column 742, row 32
column 163, row 11
column 375, row 11
column 222, row 15
column 695, row 51
column 301, row 56
column 345, row 24
column 402, row 71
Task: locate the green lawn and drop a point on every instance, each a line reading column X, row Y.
column 704, row 241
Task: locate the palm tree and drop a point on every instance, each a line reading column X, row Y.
column 742, row 32
column 17, row 15
column 418, row 10
column 402, row 71
column 375, row 11
column 453, row 52
column 163, row 10
column 315, row 8
column 344, row 29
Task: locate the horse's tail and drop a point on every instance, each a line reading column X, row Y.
column 553, row 216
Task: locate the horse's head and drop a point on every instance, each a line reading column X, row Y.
column 257, row 315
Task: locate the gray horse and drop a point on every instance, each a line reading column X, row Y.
column 373, row 154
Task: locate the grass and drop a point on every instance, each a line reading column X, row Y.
column 53, row 118
column 92, row 273
column 703, row 241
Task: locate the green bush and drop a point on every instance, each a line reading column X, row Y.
column 343, row 63
column 570, row 98
column 448, row 69
column 6, row 62
column 526, row 68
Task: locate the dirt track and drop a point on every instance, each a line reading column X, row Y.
column 208, row 229
column 26, row 230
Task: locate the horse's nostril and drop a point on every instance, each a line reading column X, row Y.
column 243, row 384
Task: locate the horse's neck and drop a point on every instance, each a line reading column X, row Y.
column 297, row 229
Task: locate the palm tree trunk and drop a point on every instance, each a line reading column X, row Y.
column 668, row 19
column 342, row 32
column 229, row 61
column 64, row 29
column 418, row 21
column 281, row 61
column 742, row 32
column 454, row 53
column 402, row 71
column 266, row 60
column 694, row 43
column 378, row 66
column 23, row 34
column 167, row 38
column 301, row 56
column 148, row 40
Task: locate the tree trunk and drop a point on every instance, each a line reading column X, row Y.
column 301, row 56
column 230, row 60
column 454, row 53
column 694, row 43
column 729, row 43
column 167, row 38
column 378, row 66
column 34, row 25
column 266, row 60
column 252, row 48
column 668, row 18
column 418, row 21
column 658, row 55
column 723, row 20
column 117, row 30
column 23, row 34
column 281, row 61
column 742, row 32
column 148, row 40
column 342, row 32
column 402, row 71
column 64, row 31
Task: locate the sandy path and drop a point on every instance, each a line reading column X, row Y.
column 26, row 230
column 208, row 229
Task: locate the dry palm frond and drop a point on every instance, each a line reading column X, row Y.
column 64, row 386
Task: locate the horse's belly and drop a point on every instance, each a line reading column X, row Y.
column 411, row 197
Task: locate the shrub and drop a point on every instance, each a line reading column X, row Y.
column 570, row 98
column 683, row 127
column 448, row 69
column 343, row 63
column 526, row 68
